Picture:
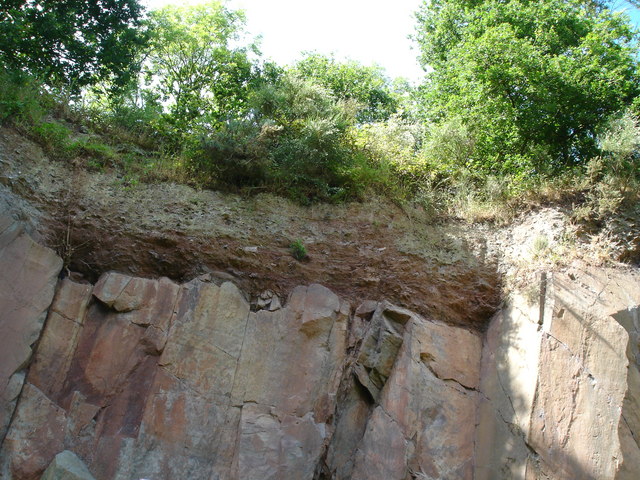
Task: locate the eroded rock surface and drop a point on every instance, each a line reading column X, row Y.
column 150, row 379
column 28, row 275
column 560, row 381
column 138, row 378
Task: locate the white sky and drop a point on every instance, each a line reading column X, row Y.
column 369, row 31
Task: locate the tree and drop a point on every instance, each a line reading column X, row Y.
column 351, row 80
column 531, row 80
column 73, row 42
column 193, row 65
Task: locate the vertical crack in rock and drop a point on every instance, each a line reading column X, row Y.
column 241, row 351
column 543, row 296
column 507, row 394
column 312, row 390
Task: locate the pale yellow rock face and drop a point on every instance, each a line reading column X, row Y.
column 629, row 428
column 560, row 392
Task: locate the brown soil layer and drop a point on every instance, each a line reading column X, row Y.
column 373, row 250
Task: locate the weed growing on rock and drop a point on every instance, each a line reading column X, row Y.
column 298, row 250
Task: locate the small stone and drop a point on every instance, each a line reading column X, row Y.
column 67, row 466
column 275, row 304
column 267, row 294
column 366, row 309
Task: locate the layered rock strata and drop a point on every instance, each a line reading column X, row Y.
column 140, row 378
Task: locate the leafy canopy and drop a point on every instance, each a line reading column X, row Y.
column 350, row 80
column 530, row 80
column 72, row 42
column 197, row 62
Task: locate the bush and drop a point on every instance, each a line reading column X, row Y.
column 298, row 250
column 133, row 116
column 612, row 179
column 20, row 97
column 232, row 157
column 620, row 143
column 394, row 160
column 296, row 143
column 450, row 145
column 54, row 139
column 97, row 154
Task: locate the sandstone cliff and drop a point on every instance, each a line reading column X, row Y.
column 153, row 379
column 187, row 343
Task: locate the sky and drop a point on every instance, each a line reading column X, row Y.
column 369, row 31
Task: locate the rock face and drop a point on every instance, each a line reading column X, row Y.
column 136, row 378
column 411, row 406
column 560, row 382
column 150, row 379
column 67, row 466
column 28, row 275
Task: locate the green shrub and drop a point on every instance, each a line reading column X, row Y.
column 612, row 180
column 296, row 143
column 232, row 157
column 20, row 97
column 94, row 149
column 54, row 139
column 298, row 250
column 133, row 116
column 620, row 142
column 97, row 155
column 450, row 145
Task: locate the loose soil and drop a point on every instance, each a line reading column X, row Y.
column 445, row 270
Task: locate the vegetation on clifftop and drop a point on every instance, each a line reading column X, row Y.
column 521, row 99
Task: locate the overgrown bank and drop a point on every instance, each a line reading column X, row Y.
column 527, row 118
